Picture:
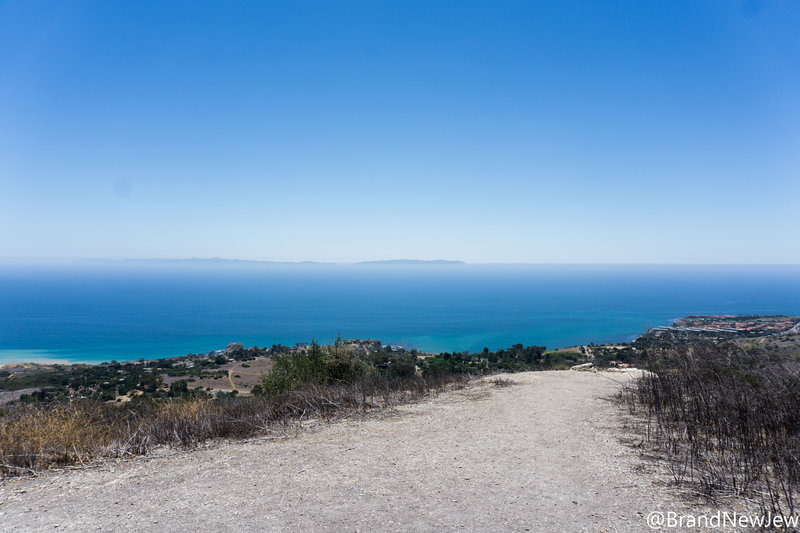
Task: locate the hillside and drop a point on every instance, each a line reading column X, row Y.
column 546, row 453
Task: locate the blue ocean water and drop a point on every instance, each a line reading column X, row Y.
column 111, row 311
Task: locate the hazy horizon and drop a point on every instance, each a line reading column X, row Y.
column 27, row 261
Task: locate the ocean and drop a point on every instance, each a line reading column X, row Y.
column 120, row 311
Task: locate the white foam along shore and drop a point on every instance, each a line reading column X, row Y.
column 40, row 357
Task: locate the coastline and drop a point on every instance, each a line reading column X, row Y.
column 41, row 357
column 9, row 357
column 104, row 314
column 428, row 345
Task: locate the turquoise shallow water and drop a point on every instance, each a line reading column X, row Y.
column 123, row 312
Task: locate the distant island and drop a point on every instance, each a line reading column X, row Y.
column 217, row 261
column 197, row 261
column 412, row 262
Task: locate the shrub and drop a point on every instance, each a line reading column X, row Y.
column 726, row 420
column 315, row 366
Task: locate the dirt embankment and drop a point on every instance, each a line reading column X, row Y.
column 544, row 454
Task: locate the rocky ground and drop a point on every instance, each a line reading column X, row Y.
column 547, row 453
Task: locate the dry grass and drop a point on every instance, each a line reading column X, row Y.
column 34, row 437
column 62, row 433
column 501, row 382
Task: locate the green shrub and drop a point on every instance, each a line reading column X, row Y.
column 317, row 365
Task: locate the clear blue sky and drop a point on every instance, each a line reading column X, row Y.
column 636, row 131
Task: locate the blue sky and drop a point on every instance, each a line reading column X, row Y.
column 664, row 132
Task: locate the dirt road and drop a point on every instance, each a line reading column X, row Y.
column 541, row 455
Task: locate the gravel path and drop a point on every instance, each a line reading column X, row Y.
column 541, row 455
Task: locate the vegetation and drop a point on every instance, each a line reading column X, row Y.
column 294, row 367
column 75, row 418
column 726, row 419
column 335, row 364
column 110, row 381
column 316, row 366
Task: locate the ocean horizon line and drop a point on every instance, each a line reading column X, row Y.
column 6, row 261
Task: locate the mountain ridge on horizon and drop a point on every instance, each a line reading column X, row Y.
column 222, row 260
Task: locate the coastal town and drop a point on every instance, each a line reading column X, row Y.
column 735, row 325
